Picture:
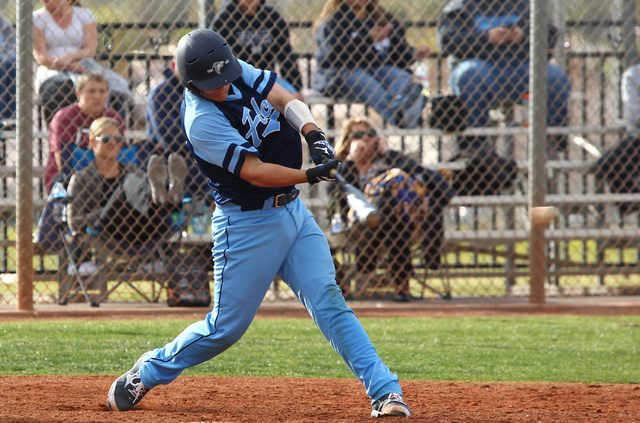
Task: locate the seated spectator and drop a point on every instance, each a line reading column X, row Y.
column 630, row 93
column 363, row 56
column 619, row 167
column 118, row 202
column 488, row 42
column 164, row 125
column 64, row 43
column 7, row 69
column 70, row 125
column 409, row 198
column 258, row 35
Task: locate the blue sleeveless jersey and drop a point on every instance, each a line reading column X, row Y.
column 220, row 135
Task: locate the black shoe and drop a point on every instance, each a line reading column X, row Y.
column 390, row 405
column 127, row 391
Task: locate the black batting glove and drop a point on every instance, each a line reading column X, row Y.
column 319, row 147
column 323, row 172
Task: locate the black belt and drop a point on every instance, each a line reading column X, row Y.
column 278, row 201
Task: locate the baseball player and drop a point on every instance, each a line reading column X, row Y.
column 243, row 132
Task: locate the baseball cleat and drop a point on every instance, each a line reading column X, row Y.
column 127, row 391
column 390, row 405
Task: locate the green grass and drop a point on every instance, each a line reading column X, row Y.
column 554, row 349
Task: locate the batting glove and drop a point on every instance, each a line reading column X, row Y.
column 323, row 172
column 320, row 149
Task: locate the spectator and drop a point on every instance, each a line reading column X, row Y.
column 7, row 69
column 409, row 198
column 114, row 200
column 65, row 42
column 363, row 55
column 164, row 124
column 488, row 42
column 70, row 125
column 630, row 92
column 258, row 35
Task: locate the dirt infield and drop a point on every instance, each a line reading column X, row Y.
column 242, row 399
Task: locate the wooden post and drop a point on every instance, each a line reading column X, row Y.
column 24, row 166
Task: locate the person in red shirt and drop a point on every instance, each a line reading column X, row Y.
column 70, row 125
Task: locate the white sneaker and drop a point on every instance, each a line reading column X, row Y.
column 177, row 168
column 86, row 268
column 157, row 177
column 155, row 268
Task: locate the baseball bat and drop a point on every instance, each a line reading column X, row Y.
column 366, row 212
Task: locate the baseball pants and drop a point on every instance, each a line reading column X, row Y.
column 249, row 249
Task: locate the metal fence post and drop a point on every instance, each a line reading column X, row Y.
column 538, row 143
column 24, row 168
column 206, row 12
column 629, row 32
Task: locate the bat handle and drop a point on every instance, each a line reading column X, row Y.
column 336, row 175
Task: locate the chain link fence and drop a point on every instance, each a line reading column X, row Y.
column 427, row 103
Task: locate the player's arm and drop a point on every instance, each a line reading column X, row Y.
column 299, row 116
column 270, row 175
column 279, row 98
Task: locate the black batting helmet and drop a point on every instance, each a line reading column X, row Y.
column 205, row 61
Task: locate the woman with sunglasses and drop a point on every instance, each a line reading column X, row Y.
column 367, row 161
column 118, row 201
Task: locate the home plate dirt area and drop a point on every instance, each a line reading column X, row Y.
column 248, row 399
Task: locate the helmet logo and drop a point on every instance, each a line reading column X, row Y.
column 217, row 66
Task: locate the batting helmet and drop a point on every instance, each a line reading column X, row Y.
column 205, row 61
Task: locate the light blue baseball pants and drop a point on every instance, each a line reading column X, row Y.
column 249, row 249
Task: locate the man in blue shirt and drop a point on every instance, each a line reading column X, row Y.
column 488, row 42
column 243, row 130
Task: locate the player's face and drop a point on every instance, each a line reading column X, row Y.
column 217, row 95
column 93, row 98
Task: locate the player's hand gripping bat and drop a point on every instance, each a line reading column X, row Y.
column 366, row 212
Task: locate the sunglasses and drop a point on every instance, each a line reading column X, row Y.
column 360, row 134
column 106, row 138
